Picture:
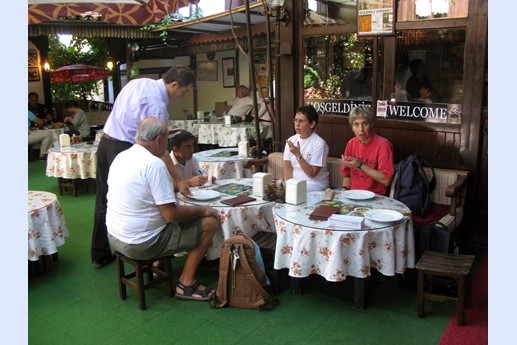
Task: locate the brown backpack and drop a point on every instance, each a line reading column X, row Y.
column 241, row 279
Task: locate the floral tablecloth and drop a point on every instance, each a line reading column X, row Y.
column 229, row 135
column 187, row 125
column 308, row 247
column 76, row 161
column 250, row 218
column 221, row 164
column 47, row 226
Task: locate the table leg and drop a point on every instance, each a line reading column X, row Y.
column 296, row 285
column 359, row 292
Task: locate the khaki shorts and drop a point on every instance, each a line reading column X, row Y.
column 174, row 238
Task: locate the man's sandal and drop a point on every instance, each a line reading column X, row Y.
column 191, row 290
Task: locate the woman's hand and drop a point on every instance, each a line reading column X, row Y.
column 350, row 162
column 294, row 149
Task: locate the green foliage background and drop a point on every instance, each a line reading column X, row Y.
column 89, row 51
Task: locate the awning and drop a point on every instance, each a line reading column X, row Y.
column 127, row 12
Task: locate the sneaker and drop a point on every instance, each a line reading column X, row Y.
column 104, row 262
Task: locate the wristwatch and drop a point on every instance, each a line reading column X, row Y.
column 360, row 165
column 300, row 157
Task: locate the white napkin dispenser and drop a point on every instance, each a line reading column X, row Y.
column 260, row 181
column 200, row 115
column 227, row 119
column 243, row 148
column 295, row 191
column 64, row 140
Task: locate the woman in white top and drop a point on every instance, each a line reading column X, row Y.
column 305, row 154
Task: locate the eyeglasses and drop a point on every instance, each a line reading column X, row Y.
column 296, row 121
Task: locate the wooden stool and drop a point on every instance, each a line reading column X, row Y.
column 267, row 244
column 445, row 265
column 141, row 266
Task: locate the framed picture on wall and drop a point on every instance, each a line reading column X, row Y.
column 228, row 72
column 207, row 71
column 33, row 58
column 34, row 74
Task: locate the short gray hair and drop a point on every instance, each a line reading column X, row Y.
column 150, row 129
column 360, row 111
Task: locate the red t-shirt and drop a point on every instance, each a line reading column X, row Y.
column 377, row 154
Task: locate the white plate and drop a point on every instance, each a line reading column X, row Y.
column 358, row 194
column 204, row 194
column 380, row 215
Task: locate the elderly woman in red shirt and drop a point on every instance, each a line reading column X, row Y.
column 368, row 158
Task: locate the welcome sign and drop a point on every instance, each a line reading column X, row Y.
column 437, row 112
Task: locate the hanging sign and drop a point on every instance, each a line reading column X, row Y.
column 375, row 17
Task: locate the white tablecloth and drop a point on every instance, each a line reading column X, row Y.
column 76, row 161
column 230, row 135
column 223, row 167
column 249, row 218
column 47, row 226
column 308, row 247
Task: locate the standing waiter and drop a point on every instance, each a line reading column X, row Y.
column 139, row 99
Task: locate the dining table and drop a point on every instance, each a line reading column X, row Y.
column 75, row 162
column 230, row 135
column 47, row 226
column 223, row 163
column 306, row 246
column 249, row 217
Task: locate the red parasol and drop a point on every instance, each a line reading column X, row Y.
column 78, row 74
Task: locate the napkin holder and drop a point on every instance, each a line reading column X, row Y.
column 227, row 119
column 64, row 140
column 295, row 191
column 260, row 181
column 200, row 115
column 243, row 148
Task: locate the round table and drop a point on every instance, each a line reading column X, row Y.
column 47, row 226
column 249, row 218
column 223, row 163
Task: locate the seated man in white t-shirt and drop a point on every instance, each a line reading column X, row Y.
column 143, row 219
column 182, row 155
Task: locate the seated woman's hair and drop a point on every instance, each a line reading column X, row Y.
column 310, row 112
column 360, row 111
column 71, row 104
column 179, row 136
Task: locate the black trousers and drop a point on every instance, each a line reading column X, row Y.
column 107, row 151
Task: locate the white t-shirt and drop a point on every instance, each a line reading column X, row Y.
column 315, row 152
column 138, row 182
column 189, row 170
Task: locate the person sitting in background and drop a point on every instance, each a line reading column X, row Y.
column 305, row 153
column 143, row 219
column 44, row 138
column 39, row 109
column 418, row 78
column 425, row 96
column 367, row 162
column 182, row 155
column 76, row 119
column 400, row 95
column 265, row 107
column 242, row 104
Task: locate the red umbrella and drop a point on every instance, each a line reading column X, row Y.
column 78, row 74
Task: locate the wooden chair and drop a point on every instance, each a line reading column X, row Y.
column 454, row 266
column 155, row 276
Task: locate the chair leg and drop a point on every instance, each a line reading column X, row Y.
column 167, row 266
column 420, row 304
column 140, row 286
column 121, row 273
column 461, row 301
